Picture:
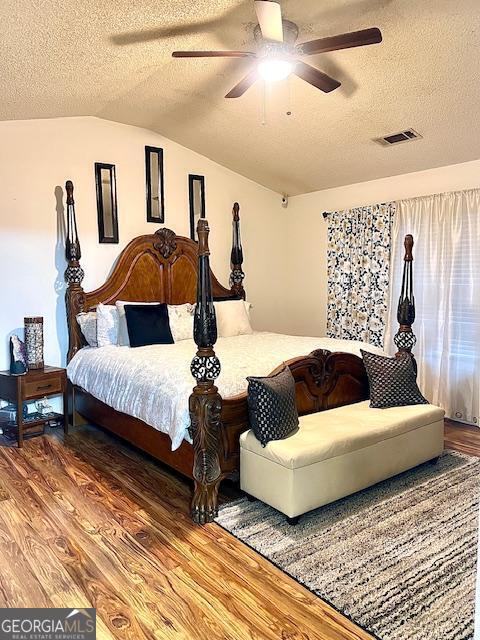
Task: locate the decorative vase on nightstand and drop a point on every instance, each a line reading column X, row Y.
column 34, row 342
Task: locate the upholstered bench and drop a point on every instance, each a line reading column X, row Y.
column 337, row 452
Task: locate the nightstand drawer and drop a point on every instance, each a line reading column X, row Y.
column 42, row 387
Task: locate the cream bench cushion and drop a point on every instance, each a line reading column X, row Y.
column 335, row 432
column 337, row 452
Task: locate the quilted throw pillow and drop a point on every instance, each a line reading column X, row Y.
column 181, row 321
column 271, row 406
column 88, row 326
column 107, row 325
column 392, row 381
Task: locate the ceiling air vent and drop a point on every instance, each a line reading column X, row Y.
column 397, row 138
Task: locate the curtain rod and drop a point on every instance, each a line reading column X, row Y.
column 325, row 214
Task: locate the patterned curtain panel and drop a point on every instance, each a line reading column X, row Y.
column 358, row 272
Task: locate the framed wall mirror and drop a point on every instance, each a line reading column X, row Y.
column 154, row 184
column 196, row 192
column 106, row 203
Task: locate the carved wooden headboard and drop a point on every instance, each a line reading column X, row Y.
column 161, row 267
column 158, row 267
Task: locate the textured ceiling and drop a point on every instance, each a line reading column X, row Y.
column 112, row 60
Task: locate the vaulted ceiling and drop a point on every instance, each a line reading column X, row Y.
column 113, row 60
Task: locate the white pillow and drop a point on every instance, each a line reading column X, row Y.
column 123, row 338
column 88, row 326
column 232, row 318
column 107, row 325
column 180, row 317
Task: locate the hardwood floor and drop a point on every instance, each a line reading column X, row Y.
column 90, row 522
column 462, row 437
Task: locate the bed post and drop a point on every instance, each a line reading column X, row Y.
column 205, row 403
column 236, row 256
column 405, row 338
column 74, row 274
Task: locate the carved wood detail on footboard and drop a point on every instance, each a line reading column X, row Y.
column 323, row 380
column 326, row 380
column 345, row 380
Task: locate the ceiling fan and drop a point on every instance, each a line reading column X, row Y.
column 277, row 50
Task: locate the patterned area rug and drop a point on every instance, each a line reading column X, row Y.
column 399, row 559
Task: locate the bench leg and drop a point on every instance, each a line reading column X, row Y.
column 293, row 521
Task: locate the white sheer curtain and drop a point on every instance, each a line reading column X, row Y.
column 446, row 274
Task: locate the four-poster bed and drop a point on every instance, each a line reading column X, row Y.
column 164, row 267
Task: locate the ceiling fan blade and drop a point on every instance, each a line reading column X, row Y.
column 342, row 41
column 315, row 77
column 269, row 16
column 212, row 54
column 244, row 84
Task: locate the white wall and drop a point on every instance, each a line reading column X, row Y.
column 37, row 156
column 307, row 232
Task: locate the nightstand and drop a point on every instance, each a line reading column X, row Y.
column 34, row 385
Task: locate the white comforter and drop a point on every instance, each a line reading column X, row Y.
column 154, row 383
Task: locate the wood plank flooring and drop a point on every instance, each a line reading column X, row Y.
column 462, row 437
column 88, row 521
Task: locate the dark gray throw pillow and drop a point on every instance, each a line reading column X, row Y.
column 271, row 406
column 392, row 381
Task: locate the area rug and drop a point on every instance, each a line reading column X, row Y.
column 398, row 559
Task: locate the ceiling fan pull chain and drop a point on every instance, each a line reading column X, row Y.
column 289, row 97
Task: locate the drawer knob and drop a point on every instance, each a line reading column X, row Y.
column 44, row 386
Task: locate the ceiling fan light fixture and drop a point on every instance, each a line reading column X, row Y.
column 277, row 52
column 275, row 69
